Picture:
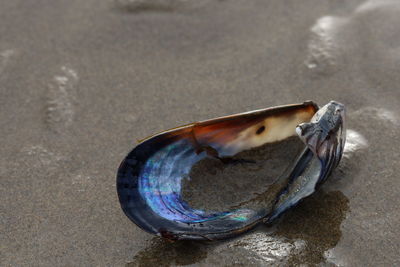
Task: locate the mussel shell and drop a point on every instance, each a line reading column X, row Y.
column 149, row 178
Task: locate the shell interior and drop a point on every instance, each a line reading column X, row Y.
column 149, row 180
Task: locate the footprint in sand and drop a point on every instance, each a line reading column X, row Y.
column 61, row 97
column 5, row 58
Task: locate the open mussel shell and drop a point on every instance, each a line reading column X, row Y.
column 149, row 180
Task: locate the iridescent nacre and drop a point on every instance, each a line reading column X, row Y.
column 149, row 179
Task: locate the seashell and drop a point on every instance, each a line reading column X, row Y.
column 149, row 179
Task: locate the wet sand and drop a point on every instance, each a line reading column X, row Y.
column 81, row 81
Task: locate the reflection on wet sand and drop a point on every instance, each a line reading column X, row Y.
column 317, row 221
column 303, row 235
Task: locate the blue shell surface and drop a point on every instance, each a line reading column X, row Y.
column 149, row 179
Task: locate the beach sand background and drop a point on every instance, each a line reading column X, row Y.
column 81, row 81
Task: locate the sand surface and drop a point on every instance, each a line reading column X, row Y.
column 81, row 81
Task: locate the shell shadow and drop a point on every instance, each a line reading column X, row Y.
column 165, row 253
column 131, row 6
column 317, row 221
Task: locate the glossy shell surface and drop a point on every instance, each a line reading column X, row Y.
column 149, row 179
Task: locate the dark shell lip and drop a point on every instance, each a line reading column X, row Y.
column 151, row 209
